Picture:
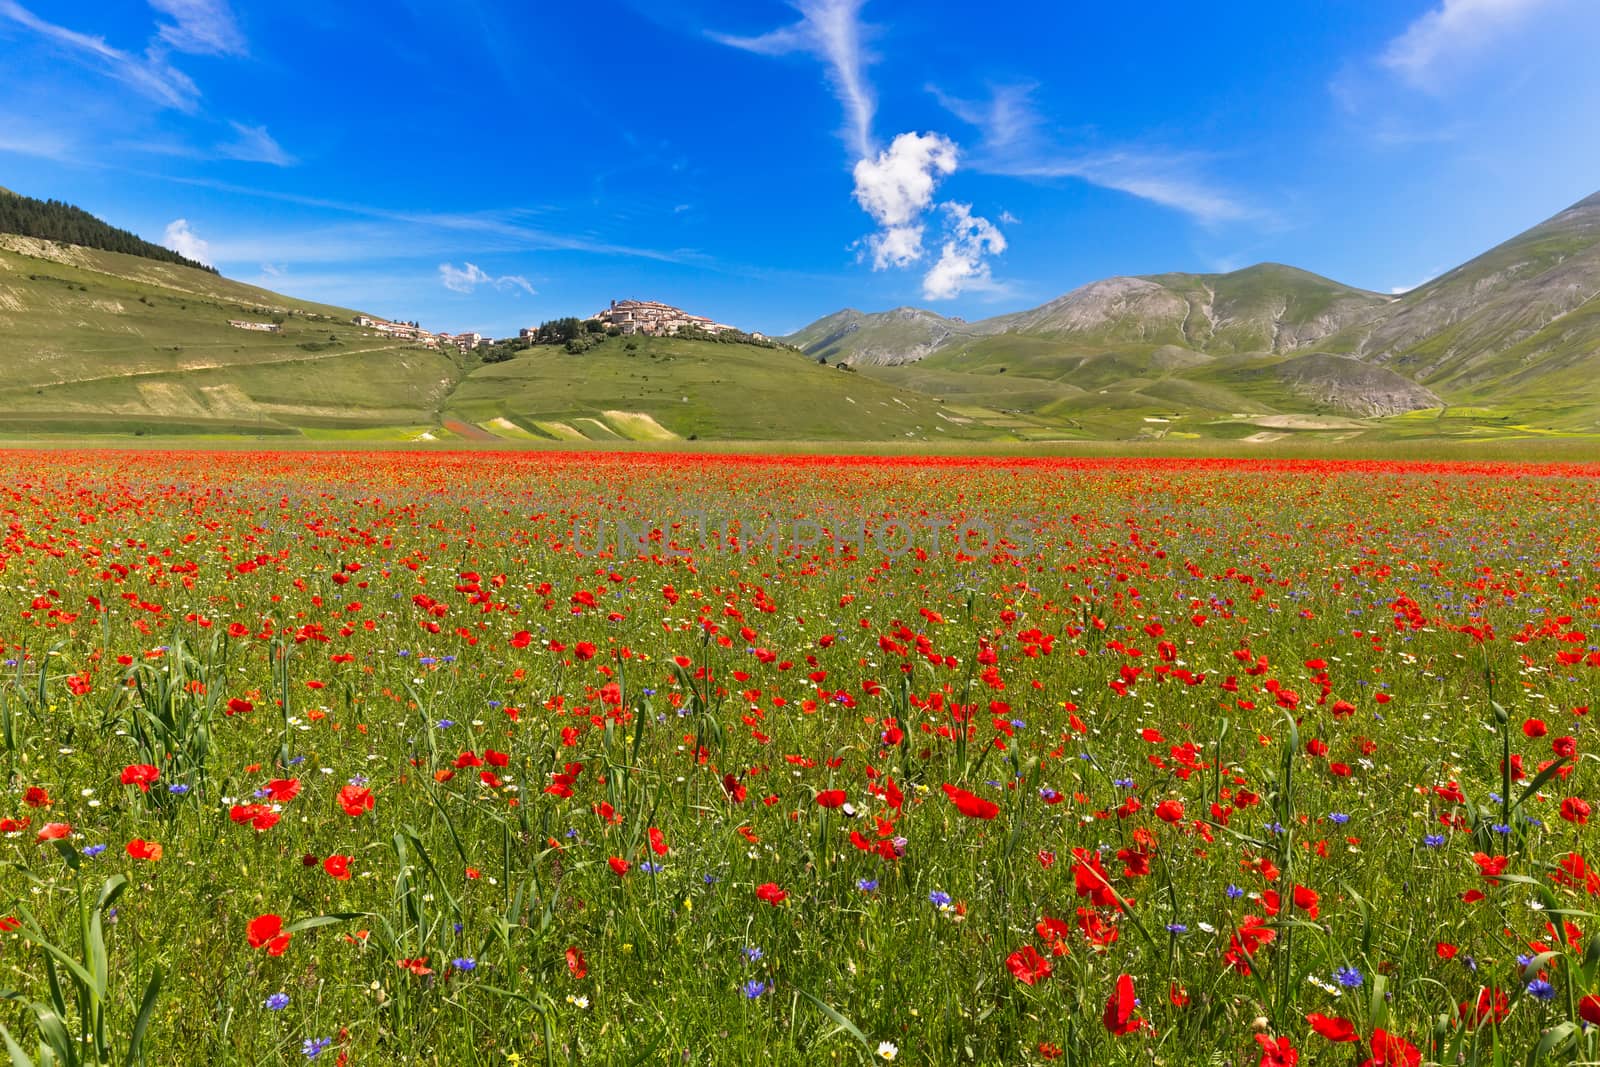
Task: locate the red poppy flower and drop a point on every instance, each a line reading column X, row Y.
column 576, row 964
column 36, row 797
column 140, row 849
column 619, row 866
column 1575, row 810
column 831, row 798
column 1334, row 1029
column 658, row 842
column 418, row 966
column 355, row 800
column 338, row 867
column 1169, row 811
column 1118, row 1016
column 141, row 775
column 283, row 790
column 1589, row 1009
column 266, row 931
column 771, row 893
column 259, row 816
column 1276, row 1052
column 1027, row 966
column 54, row 831
column 969, row 805
column 1391, row 1050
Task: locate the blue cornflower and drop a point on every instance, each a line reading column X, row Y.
column 1541, row 990
column 1338, row 818
column 650, row 868
column 178, row 788
column 1433, row 840
column 403, row 652
column 445, row 724
column 277, row 1002
column 1123, row 783
column 939, row 898
column 358, row 780
column 751, row 953
column 464, row 963
column 1500, row 828
column 94, row 850
column 296, row 760
column 313, row 1046
column 867, row 885
column 1177, row 928
column 1234, row 892
column 1523, row 959
column 709, row 879
column 1348, row 977
column 753, row 989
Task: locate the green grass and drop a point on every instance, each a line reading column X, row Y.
column 100, row 333
column 702, row 390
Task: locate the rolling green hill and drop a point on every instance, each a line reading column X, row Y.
column 96, row 340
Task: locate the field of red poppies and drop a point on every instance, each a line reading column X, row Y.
column 542, row 758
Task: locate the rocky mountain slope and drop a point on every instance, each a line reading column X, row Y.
column 1517, row 327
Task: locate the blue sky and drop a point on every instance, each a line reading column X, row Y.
column 488, row 164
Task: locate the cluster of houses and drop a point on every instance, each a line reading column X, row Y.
column 647, row 317
column 655, row 319
column 405, row 331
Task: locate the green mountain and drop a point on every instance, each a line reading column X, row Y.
column 1508, row 343
column 888, row 337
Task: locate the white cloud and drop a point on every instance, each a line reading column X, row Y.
column 963, row 263
column 1443, row 39
column 1006, row 120
column 1166, row 180
column 149, row 74
column 468, row 277
column 896, row 189
column 200, row 27
column 255, row 145
column 184, row 241
column 832, row 31
column 1013, row 145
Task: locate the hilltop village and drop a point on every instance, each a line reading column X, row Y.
column 650, row 318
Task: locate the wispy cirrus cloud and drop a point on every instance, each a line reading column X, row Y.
column 253, row 144
column 200, row 27
column 1014, row 142
column 467, row 278
column 1446, row 38
column 832, row 31
column 149, row 74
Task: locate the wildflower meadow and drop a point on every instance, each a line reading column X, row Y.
column 535, row 758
